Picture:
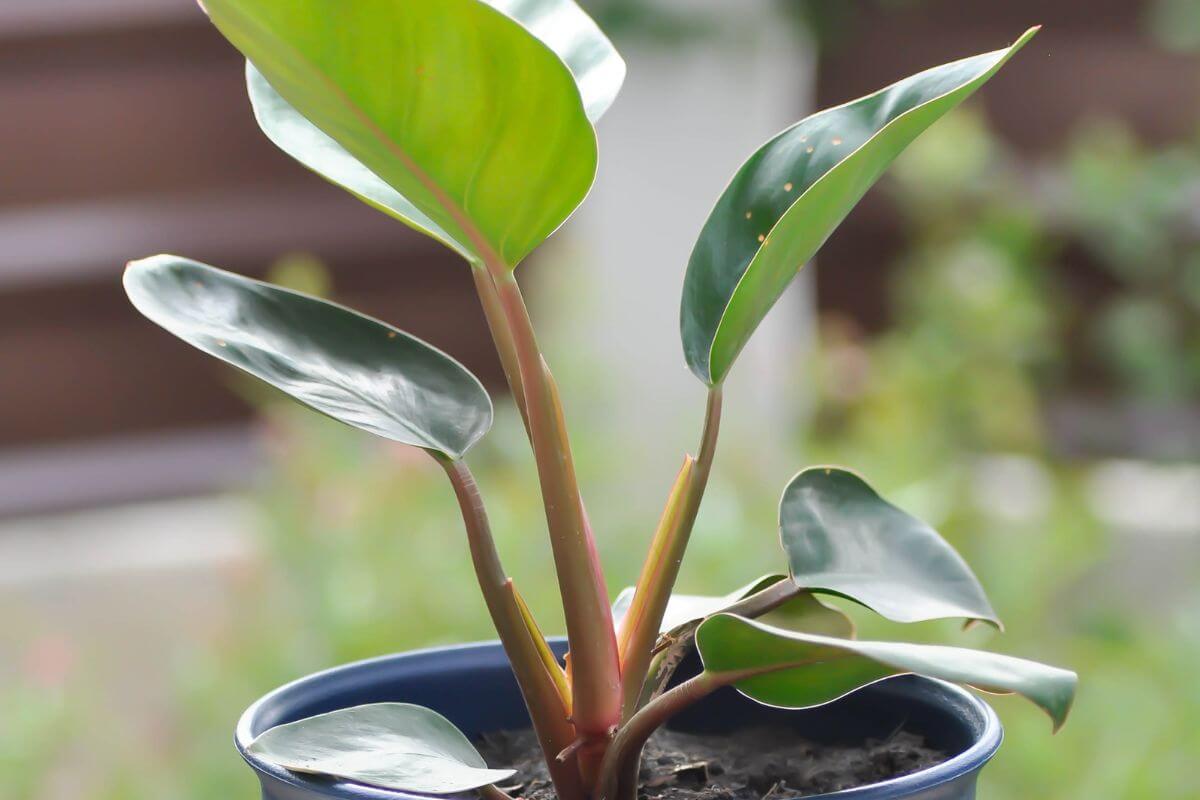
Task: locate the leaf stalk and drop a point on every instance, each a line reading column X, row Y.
column 506, row 348
column 661, row 569
column 517, row 632
column 595, row 666
column 618, row 773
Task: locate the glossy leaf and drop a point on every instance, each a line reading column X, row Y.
column 355, row 369
column 455, row 107
column 575, row 37
column 560, row 24
column 392, row 745
column 802, row 612
column 785, row 668
column 306, row 143
column 842, row 537
column 787, row 198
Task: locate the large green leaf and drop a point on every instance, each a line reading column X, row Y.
column 464, row 113
column 785, row 668
column 356, row 369
column 560, row 24
column 394, row 745
column 685, row 611
column 566, row 29
column 788, row 197
column 842, row 537
column 305, row 142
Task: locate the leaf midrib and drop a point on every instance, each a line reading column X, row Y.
column 487, row 251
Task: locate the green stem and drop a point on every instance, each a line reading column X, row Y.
column 640, row 630
column 537, row 684
column 493, row 312
column 595, row 668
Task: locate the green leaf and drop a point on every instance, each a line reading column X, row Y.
column 575, row 37
column 306, row 143
column 560, row 24
column 842, row 537
column 802, row 612
column 788, row 197
column 799, row 670
column 392, row 745
column 453, row 116
column 357, row 370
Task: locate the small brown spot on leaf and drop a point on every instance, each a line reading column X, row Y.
column 391, row 334
column 761, row 237
column 787, row 187
column 748, row 215
column 836, row 141
column 808, row 150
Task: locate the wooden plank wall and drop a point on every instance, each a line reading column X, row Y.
column 125, row 131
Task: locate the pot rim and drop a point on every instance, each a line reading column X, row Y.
column 991, row 734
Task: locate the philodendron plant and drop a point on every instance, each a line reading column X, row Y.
column 472, row 121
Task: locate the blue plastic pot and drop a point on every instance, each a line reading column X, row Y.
column 473, row 686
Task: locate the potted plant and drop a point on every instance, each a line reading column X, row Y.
column 472, row 122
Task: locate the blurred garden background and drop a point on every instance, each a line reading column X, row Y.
column 1004, row 339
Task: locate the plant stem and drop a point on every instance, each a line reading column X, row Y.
column 618, row 773
column 493, row 792
column 764, row 600
column 595, row 667
column 665, row 659
column 546, row 706
column 502, row 336
column 661, row 568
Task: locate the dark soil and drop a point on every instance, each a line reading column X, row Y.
column 756, row 764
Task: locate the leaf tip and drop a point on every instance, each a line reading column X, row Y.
column 132, row 269
column 1059, row 718
column 1024, row 38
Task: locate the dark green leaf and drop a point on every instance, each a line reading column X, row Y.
column 452, row 109
column 356, row 369
column 842, row 537
column 800, row 670
column 393, row 745
column 786, row 200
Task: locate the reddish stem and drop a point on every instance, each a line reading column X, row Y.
column 493, row 312
column 542, row 698
column 618, row 773
column 595, row 668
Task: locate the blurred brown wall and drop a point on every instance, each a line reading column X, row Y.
column 125, row 131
